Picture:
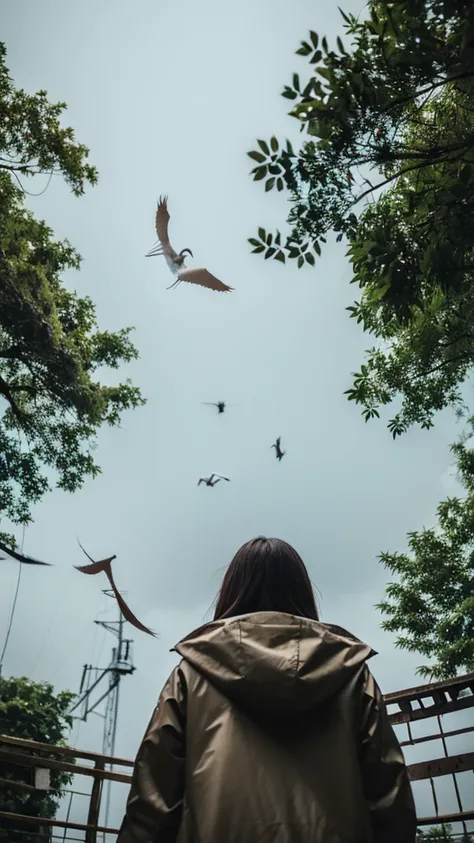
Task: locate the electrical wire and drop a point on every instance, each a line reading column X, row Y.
column 15, row 599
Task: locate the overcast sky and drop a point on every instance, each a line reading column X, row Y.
column 169, row 97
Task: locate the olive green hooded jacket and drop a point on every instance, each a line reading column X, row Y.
column 270, row 730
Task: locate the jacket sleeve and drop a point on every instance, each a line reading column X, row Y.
column 155, row 802
column 385, row 778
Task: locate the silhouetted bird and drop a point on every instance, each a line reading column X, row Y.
column 209, row 481
column 26, row 560
column 221, row 405
column 278, row 452
column 175, row 261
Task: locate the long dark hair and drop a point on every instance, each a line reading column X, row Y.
column 266, row 575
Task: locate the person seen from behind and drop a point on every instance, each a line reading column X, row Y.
column 272, row 728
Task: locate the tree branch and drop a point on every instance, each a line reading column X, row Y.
column 21, row 169
column 11, row 353
column 5, row 391
column 444, row 364
column 467, row 74
column 421, row 165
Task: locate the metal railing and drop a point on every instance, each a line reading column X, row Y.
column 405, row 708
column 63, row 759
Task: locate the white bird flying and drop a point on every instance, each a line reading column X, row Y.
column 210, row 481
column 175, row 261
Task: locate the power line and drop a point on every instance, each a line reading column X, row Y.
column 12, row 613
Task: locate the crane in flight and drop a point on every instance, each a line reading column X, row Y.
column 210, row 481
column 175, row 261
column 278, row 452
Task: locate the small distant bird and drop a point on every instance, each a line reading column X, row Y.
column 278, row 452
column 175, row 261
column 349, row 177
column 209, row 481
column 221, row 405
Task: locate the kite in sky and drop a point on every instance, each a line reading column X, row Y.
column 175, row 261
column 105, row 565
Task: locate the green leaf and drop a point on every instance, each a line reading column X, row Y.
column 275, row 169
column 264, row 146
column 316, row 57
column 314, row 38
column 280, row 257
column 269, row 239
column 310, row 258
column 304, row 50
column 317, row 248
column 254, row 242
column 280, row 184
column 340, row 45
column 274, row 144
column 257, row 250
column 260, row 173
column 346, row 18
column 269, row 253
column 300, row 261
column 324, row 44
column 262, row 234
column 289, row 93
column 296, row 82
column 269, row 184
column 257, row 156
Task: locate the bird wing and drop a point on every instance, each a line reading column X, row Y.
column 221, row 477
column 201, row 276
column 27, row 560
column 161, row 224
column 210, row 404
column 105, row 565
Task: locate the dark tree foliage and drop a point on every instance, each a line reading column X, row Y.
column 442, row 834
column 430, row 606
column 389, row 165
column 52, row 402
column 33, row 711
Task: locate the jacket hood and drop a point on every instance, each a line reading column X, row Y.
column 273, row 661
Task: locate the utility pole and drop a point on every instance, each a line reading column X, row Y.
column 92, row 693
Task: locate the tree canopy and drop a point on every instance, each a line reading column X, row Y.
column 33, row 711
column 51, row 348
column 389, row 166
column 431, row 605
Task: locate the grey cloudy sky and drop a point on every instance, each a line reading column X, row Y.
column 169, row 97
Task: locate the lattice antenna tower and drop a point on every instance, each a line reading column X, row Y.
column 100, row 686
